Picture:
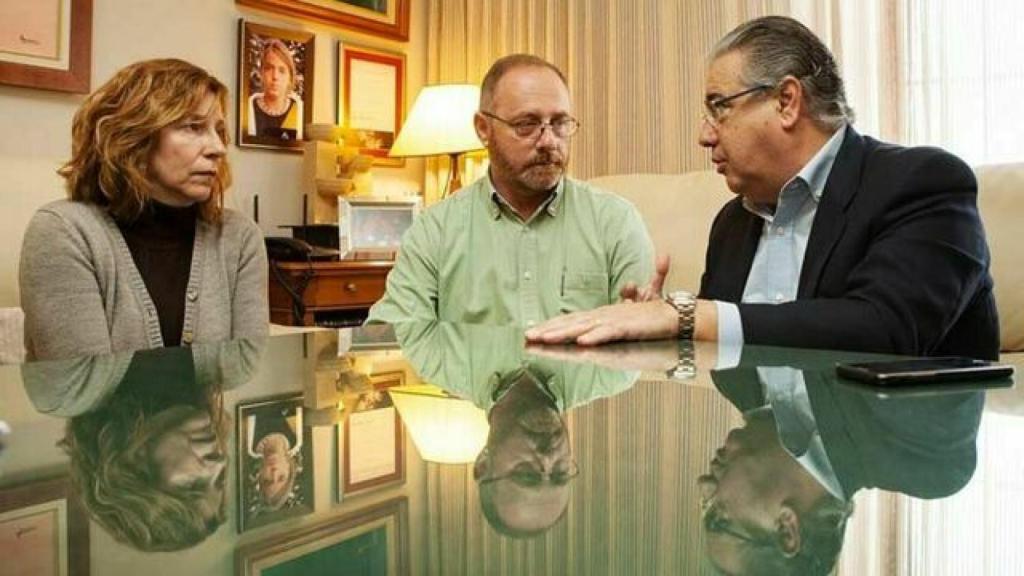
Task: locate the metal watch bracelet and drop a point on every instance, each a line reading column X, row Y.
column 685, row 304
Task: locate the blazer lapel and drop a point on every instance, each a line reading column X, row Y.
column 830, row 219
column 736, row 266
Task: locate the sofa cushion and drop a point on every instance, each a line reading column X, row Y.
column 1001, row 201
column 678, row 210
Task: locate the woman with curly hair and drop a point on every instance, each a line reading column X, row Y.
column 143, row 254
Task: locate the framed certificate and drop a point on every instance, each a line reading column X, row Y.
column 373, row 446
column 372, row 99
column 46, row 45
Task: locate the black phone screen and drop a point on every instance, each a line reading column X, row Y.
column 922, row 370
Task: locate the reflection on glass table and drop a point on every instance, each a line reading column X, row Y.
column 524, row 469
column 146, row 437
column 780, row 489
column 517, row 460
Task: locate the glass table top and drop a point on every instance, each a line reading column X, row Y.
column 445, row 449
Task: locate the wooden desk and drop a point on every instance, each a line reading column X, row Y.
column 343, row 285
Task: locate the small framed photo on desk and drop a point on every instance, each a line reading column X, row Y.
column 372, row 228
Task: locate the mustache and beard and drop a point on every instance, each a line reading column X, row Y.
column 538, row 174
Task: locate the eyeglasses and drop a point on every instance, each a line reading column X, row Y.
column 531, row 128
column 716, row 108
column 526, row 475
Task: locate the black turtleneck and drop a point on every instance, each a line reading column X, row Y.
column 160, row 241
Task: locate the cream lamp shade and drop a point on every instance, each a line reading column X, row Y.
column 445, row 429
column 441, row 122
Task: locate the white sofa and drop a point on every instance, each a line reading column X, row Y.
column 679, row 209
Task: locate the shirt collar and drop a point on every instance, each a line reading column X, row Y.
column 812, row 177
column 551, row 205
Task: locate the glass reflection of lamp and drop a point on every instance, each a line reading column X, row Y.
column 446, row 429
column 441, row 122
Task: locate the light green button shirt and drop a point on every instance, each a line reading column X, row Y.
column 470, row 360
column 472, row 259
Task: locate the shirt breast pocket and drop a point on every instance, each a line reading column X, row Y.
column 583, row 290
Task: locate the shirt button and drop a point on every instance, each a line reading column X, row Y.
column 186, row 338
column 527, row 275
column 530, row 323
column 779, row 297
column 150, row 312
column 779, row 230
column 192, row 294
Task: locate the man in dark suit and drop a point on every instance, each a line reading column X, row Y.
column 835, row 240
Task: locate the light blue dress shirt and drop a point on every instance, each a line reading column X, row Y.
column 775, row 272
column 786, row 392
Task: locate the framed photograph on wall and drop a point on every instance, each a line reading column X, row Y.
column 46, row 45
column 275, row 476
column 384, row 18
column 44, row 529
column 275, row 86
column 372, row 445
column 374, row 540
column 371, row 99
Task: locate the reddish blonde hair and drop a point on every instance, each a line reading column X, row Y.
column 117, row 129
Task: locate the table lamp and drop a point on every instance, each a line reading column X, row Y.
column 445, row 429
column 441, row 122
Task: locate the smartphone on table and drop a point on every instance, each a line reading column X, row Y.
column 914, row 371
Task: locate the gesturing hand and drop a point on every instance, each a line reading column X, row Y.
column 653, row 289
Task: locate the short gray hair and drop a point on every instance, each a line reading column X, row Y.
column 775, row 47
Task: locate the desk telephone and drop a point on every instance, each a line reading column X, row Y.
column 286, row 249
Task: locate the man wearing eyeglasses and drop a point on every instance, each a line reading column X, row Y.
column 525, row 243
column 835, row 240
column 525, row 470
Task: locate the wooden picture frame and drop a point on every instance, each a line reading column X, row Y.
column 262, row 501
column 384, row 18
column 374, row 540
column 44, row 529
column 366, row 458
column 365, row 77
column 264, row 51
column 53, row 51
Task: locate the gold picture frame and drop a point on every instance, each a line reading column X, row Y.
column 384, row 18
column 376, row 538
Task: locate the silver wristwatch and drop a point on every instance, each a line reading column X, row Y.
column 686, row 364
column 685, row 304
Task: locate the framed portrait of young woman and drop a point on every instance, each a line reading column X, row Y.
column 275, row 86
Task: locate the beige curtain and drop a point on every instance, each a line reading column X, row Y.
column 635, row 69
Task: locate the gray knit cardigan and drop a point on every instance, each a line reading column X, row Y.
column 83, row 295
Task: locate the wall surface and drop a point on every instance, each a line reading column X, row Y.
column 37, row 123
